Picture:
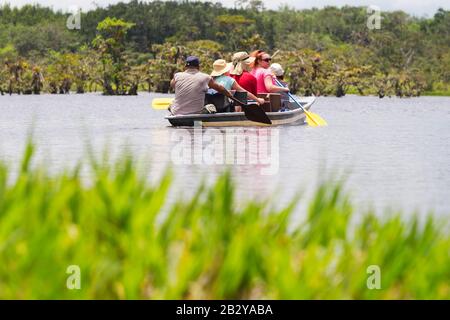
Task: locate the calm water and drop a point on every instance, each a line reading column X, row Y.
column 396, row 152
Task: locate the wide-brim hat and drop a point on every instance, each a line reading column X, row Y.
column 239, row 60
column 220, row 67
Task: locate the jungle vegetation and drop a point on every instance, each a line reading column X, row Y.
column 128, row 47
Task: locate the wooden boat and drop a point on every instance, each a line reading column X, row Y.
column 293, row 116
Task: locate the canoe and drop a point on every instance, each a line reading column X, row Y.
column 294, row 116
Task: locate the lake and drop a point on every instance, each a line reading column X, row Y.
column 394, row 153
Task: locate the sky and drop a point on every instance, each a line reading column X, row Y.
column 414, row 7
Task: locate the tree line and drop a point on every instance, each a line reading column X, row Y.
column 125, row 48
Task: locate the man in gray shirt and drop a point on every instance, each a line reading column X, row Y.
column 190, row 88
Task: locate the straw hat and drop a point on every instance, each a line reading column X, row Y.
column 241, row 61
column 220, row 67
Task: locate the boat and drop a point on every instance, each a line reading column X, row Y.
column 294, row 116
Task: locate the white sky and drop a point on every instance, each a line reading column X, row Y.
column 415, row 7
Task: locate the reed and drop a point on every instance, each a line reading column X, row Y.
column 130, row 244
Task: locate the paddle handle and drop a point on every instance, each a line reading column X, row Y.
column 289, row 94
column 239, row 101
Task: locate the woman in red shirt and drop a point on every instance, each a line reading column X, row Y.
column 241, row 71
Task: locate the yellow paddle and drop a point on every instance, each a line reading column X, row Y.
column 161, row 103
column 312, row 119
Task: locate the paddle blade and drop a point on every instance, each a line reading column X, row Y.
column 253, row 112
column 256, row 114
column 314, row 120
column 161, row 103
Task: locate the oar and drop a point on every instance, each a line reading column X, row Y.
column 312, row 119
column 253, row 112
column 161, row 103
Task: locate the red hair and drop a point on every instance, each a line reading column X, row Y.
column 258, row 54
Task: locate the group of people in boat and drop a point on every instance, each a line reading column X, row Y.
column 251, row 74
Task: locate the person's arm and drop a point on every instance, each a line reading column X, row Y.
column 219, row 88
column 237, row 87
column 172, row 83
column 273, row 88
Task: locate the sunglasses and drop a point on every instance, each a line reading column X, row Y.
column 267, row 59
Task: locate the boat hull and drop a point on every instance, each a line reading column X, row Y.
column 295, row 116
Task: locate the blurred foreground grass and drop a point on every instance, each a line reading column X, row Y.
column 114, row 229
